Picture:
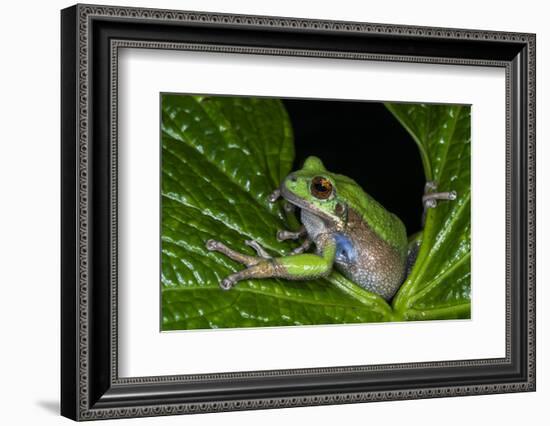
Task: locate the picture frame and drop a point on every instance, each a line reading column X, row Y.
column 90, row 384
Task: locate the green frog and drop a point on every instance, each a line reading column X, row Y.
column 350, row 230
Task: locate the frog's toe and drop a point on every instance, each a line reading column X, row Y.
column 227, row 283
column 213, row 245
column 260, row 251
column 274, row 196
column 430, row 186
column 283, row 235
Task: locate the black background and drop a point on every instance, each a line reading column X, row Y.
column 365, row 142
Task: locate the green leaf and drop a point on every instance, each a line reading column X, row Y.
column 221, row 158
column 439, row 284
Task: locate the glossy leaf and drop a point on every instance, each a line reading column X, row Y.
column 439, row 284
column 221, row 158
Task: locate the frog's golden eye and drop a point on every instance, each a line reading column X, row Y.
column 321, row 187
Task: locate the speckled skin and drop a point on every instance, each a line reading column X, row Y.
column 362, row 256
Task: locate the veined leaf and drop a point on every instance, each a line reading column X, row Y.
column 221, row 158
column 439, row 284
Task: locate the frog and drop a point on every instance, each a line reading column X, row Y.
column 351, row 232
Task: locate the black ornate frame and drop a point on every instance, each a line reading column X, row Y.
column 91, row 37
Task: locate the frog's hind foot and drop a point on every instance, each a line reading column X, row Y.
column 260, row 266
column 260, row 251
column 213, row 245
column 263, row 269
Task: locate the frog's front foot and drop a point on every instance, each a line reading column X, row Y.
column 283, row 234
column 274, row 196
column 303, row 247
column 431, row 197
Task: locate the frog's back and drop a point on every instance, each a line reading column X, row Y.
column 384, row 223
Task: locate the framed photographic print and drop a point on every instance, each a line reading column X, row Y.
column 263, row 212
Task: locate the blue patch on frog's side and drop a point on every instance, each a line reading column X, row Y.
column 345, row 252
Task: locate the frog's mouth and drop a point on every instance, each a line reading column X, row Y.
column 300, row 203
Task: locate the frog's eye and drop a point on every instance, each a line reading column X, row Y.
column 321, row 187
